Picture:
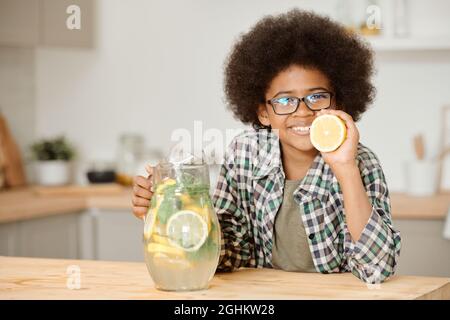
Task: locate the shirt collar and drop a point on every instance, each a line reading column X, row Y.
column 315, row 184
column 269, row 156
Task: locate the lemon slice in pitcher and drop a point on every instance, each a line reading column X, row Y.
column 159, row 249
column 149, row 223
column 327, row 132
column 202, row 211
column 187, row 230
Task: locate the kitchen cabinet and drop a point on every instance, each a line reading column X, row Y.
column 95, row 225
column 424, row 250
column 55, row 14
column 8, row 239
column 94, row 234
column 408, row 44
column 19, row 22
column 117, row 235
column 47, row 22
column 104, row 228
column 51, row 237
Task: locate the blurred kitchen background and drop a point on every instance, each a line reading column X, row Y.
column 106, row 98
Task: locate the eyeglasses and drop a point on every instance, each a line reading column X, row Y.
column 287, row 105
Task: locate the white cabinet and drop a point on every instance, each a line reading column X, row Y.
column 19, row 22
column 114, row 235
column 53, row 18
column 44, row 22
column 48, row 237
column 424, row 250
column 8, row 239
column 117, row 235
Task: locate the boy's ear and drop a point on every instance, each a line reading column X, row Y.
column 263, row 116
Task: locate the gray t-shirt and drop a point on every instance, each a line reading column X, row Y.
column 290, row 250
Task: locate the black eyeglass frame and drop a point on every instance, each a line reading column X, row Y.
column 299, row 100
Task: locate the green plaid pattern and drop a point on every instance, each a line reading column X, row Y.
column 249, row 193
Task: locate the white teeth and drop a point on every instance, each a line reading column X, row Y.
column 301, row 129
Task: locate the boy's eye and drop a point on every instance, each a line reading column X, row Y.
column 317, row 97
column 285, row 101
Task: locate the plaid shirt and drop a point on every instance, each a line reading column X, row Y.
column 249, row 193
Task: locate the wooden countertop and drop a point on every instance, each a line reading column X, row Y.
column 420, row 208
column 30, row 278
column 26, row 203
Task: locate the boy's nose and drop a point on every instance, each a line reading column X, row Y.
column 303, row 110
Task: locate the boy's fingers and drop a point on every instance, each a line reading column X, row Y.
column 141, row 192
column 140, row 212
column 341, row 114
column 140, row 202
column 344, row 116
column 143, row 182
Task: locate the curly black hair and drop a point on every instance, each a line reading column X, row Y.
column 298, row 38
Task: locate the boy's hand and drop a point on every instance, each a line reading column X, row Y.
column 142, row 193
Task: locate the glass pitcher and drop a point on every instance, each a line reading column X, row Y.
column 181, row 232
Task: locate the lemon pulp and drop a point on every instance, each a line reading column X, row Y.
column 187, row 230
column 327, row 132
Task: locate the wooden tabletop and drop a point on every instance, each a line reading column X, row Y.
column 28, row 203
column 30, row 278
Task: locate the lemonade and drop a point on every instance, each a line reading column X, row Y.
column 181, row 232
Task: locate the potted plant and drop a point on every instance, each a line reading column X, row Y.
column 53, row 158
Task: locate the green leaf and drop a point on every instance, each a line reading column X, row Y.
column 52, row 149
column 169, row 205
column 208, row 250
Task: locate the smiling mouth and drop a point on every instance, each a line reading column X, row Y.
column 300, row 130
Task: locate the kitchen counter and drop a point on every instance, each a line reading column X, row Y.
column 420, row 208
column 29, row 278
column 26, row 203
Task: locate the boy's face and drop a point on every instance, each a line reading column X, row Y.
column 293, row 129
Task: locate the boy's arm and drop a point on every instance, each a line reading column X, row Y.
column 371, row 244
column 236, row 240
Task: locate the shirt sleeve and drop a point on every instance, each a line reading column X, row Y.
column 374, row 257
column 236, row 244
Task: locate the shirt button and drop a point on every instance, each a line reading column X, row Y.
column 311, row 236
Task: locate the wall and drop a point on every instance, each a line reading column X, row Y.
column 158, row 66
column 17, row 93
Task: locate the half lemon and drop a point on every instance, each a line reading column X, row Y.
column 327, row 132
column 187, row 230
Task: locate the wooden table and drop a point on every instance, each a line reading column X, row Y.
column 30, row 278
